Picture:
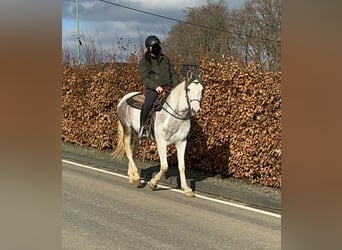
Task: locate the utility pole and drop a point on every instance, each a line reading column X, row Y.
column 78, row 35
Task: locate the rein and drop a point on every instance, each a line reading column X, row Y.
column 176, row 115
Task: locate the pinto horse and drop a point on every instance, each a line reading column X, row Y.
column 171, row 126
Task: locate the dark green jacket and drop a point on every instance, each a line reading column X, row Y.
column 160, row 73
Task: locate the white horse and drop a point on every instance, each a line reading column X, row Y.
column 171, row 126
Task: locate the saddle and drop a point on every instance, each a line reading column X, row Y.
column 137, row 101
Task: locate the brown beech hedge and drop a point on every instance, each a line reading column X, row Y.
column 238, row 133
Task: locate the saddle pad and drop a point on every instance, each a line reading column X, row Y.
column 136, row 101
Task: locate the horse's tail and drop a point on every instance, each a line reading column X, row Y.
column 120, row 147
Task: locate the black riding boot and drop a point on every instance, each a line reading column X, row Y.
column 150, row 97
column 143, row 115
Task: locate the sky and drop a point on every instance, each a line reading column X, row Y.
column 104, row 24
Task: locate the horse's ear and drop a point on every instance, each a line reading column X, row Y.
column 189, row 75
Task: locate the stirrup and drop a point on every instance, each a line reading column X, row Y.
column 142, row 133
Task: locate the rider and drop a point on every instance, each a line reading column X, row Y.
column 155, row 71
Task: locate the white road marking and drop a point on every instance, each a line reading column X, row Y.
column 180, row 191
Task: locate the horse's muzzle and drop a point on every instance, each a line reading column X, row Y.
column 195, row 107
column 195, row 112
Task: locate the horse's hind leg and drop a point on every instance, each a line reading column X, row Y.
column 181, row 166
column 134, row 177
column 162, row 150
column 134, row 145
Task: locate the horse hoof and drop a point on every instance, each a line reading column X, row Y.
column 134, row 181
column 189, row 194
column 152, row 186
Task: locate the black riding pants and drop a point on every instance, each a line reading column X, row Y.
column 150, row 96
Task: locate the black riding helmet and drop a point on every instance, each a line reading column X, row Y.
column 151, row 40
column 154, row 42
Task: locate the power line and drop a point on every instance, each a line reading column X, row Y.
column 164, row 17
column 69, row 33
column 185, row 22
column 181, row 21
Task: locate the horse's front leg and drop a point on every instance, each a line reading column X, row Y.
column 181, row 166
column 162, row 150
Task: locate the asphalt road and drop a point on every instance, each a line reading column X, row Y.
column 102, row 211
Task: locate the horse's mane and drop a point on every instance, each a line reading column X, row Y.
column 177, row 92
column 179, row 88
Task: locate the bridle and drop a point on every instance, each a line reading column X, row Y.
column 194, row 79
column 190, row 79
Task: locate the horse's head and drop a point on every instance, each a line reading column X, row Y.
column 194, row 90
